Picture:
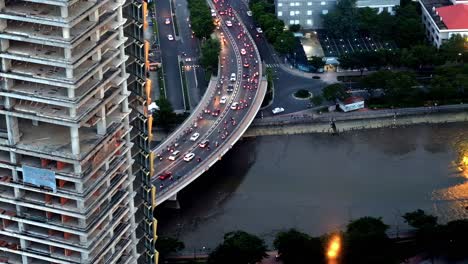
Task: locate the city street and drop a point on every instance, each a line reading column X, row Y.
column 239, row 58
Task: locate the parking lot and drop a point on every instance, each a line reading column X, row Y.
column 333, row 47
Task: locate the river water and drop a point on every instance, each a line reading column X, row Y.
column 317, row 183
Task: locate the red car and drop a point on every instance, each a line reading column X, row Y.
column 165, row 175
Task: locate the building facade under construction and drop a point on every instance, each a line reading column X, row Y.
column 68, row 117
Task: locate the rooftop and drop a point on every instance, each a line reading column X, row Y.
column 454, row 16
column 431, row 6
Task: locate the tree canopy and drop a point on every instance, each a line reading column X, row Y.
column 201, row 20
column 295, row 247
column 168, row 245
column 210, row 54
column 238, row 247
column 334, row 91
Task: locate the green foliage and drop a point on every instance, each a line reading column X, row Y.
column 316, row 100
column 366, row 241
column 168, row 245
column 210, row 54
column 201, row 20
column 284, row 43
column 264, row 14
column 295, row 28
column 342, row 22
column 334, row 91
column 454, row 50
column 302, row 93
column 295, row 247
column 238, row 247
column 419, row 219
column 165, row 116
column 408, row 29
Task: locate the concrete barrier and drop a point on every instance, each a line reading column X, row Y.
column 356, row 124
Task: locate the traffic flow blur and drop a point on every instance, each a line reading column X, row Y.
column 205, row 132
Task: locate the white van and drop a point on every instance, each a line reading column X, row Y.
column 174, row 155
column 233, row 77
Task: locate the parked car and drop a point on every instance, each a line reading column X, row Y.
column 278, row 110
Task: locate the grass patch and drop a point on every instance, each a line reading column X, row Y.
column 184, row 86
column 161, row 83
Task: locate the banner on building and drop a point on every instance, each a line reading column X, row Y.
column 39, row 177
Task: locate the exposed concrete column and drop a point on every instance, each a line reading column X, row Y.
column 96, row 35
column 2, row 3
column 97, row 56
column 83, row 240
column 66, row 33
column 3, row 23
column 69, row 73
column 6, row 64
column 68, row 53
column 5, row 44
column 64, row 11
column 79, row 186
column 81, row 206
column 102, row 124
column 13, row 130
column 172, row 202
column 119, row 14
column 75, row 140
column 71, row 93
column 94, row 17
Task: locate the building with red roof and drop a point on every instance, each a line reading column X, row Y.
column 444, row 18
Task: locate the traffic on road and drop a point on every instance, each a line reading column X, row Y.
column 223, row 110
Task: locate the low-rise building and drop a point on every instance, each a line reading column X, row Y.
column 308, row 13
column 351, row 103
column 444, row 18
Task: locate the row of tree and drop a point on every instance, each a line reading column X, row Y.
column 403, row 88
column 209, row 59
column 364, row 240
column 416, row 57
column 274, row 29
column 201, row 20
column 348, row 21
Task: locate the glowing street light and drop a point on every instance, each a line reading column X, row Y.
column 334, row 247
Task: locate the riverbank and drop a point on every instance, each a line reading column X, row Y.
column 305, row 123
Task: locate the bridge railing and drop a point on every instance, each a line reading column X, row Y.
column 225, row 146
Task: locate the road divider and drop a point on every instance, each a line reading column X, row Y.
column 183, row 81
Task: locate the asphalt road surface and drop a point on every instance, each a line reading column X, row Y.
column 219, row 128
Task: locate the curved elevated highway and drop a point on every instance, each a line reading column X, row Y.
column 244, row 96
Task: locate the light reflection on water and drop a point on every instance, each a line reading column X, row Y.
column 317, row 183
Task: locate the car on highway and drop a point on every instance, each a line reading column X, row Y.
column 233, row 77
column 204, row 143
column 189, row 156
column 216, row 112
column 195, row 136
column 243, row 52
column 234, row 106
column 167, row 21
column 277, row 110
column 230, row 88
column 213, row 13
column 223, row 100
column 249, row 13
column 259, row 30
column 246, row 64
column 170, row 37
column 165, row 175
column 174, row 155
column 228, row 23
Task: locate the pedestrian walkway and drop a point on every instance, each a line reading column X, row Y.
column 273, row 65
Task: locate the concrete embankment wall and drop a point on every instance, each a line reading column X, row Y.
column 354, row 124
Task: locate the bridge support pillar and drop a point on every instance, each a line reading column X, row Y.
column 172, row 202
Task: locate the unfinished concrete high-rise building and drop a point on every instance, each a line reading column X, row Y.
column 66, row 183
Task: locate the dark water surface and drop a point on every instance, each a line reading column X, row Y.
column 317, row 183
